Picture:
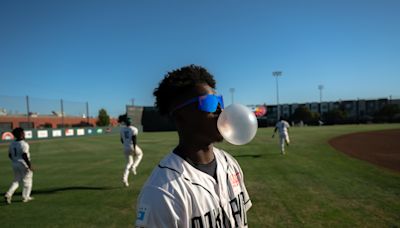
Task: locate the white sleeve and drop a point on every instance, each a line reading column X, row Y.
column 135, row 131
column 25, row 149
column 158, row 208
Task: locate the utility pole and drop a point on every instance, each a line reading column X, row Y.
column 28, row 112
column 87, row 113
column 62, row 113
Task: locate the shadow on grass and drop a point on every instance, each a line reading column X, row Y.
column 248, row 155
column 55, row 190
column 73, row 188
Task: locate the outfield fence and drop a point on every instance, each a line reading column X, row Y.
column 32, row 113
column 38, row 134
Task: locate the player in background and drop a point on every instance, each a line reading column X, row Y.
column 132, row 151
column 18, row 152
column 196, row 184
column 283, row 127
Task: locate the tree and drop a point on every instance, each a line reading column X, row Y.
column 387, row 113
column 335, row 116
column 103, row 118
column 302, row 113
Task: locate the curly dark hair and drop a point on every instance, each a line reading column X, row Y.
column 17, row 132
column 177, row 82
column 124, row 119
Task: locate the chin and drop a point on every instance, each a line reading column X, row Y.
column 214, row 137
column 218, row 138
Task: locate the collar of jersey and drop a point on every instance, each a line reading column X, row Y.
column 178, row 164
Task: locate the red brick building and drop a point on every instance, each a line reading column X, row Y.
column 10, row 122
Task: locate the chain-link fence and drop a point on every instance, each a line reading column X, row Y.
column 30, row 112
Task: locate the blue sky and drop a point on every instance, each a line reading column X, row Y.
column 108, row 52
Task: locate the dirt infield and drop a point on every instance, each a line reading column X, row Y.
column 378, row 147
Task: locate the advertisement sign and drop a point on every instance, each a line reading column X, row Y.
column 69, row 132
column 89, row 131
column 57, row 133
column 260, row 111
column 28, row 134
column 42, row 134
column 7, row 136
column 99, row 131
column 80, row 131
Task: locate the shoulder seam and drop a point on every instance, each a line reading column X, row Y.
column 165, row 167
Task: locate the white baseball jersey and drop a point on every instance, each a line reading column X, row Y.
column 126, row 134
column 179, row 195
column 16, row 149
column 282, row 127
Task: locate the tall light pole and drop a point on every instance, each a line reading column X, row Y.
column 232, row 91
column 277, row 74
column 320, row 87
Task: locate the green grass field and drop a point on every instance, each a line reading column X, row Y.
column 77, row 182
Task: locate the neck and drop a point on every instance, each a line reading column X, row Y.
column 197, row 153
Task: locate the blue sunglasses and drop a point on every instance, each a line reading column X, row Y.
column 207, row 103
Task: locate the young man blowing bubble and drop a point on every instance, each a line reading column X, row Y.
column 196, row 185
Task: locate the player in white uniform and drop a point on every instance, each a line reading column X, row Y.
column 133, row 153
column 196, row 185
column 18, row 152
column 283, row 127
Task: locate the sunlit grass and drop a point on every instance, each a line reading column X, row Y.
column 77, row 182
